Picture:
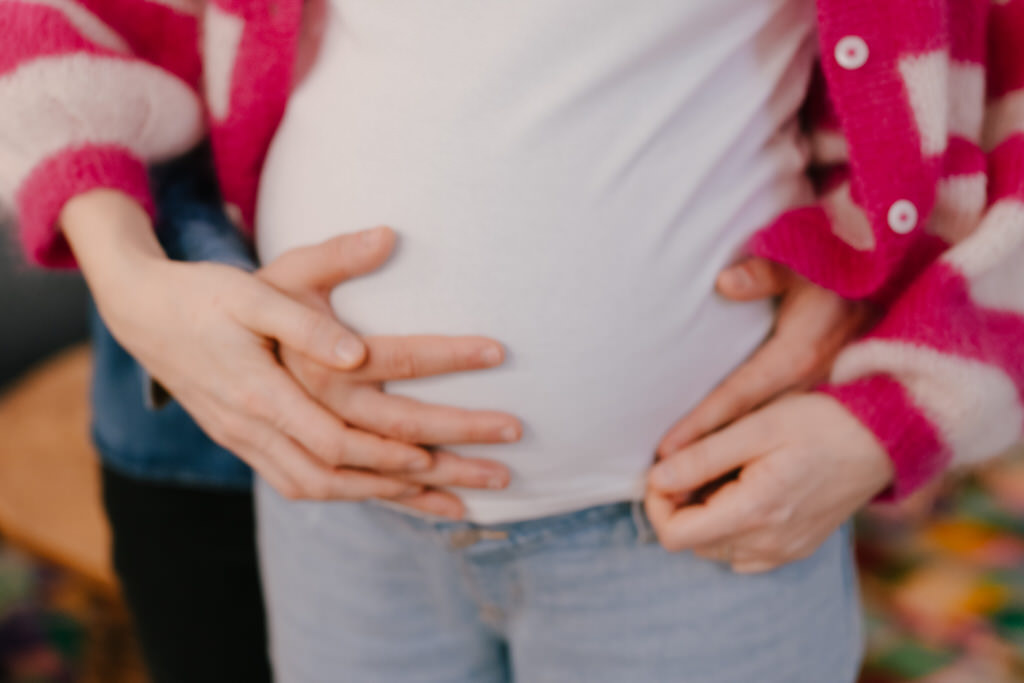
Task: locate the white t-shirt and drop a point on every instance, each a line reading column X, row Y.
column 566, row 176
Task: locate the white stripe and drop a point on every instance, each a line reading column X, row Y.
column 91, row 27
column 993, row 258
column 999, row 234
column 959, row 203
column 53, row 103
column 849, row 222
column 1002, row 289
column 222, row 35
column 974, row 406
column 966, row 100
column 926, row 78
column 190, row 7
column 1004, row 118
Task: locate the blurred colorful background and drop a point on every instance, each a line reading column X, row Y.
column 943, row 584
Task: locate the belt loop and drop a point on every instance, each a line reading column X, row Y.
column 459, row 539
column 644, row 530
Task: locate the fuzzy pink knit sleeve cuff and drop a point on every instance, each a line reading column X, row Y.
column 87, row 102
column 63, row 176
column 883, row 406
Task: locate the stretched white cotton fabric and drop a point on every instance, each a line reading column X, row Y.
column 566, row 176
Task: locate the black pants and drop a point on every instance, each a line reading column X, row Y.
column 186, row 558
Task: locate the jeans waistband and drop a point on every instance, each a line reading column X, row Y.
column 460, row 534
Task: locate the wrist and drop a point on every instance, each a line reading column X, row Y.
column 870, row 458
column 113, row 241
column 112, row 238
column 911, row 442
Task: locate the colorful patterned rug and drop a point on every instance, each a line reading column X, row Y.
column 57, row 628
column 42, row 634
column 944, row 598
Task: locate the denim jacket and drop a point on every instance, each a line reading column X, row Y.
column 131, row 435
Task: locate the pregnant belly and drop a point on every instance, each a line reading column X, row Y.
column 592, row 263
column 611, row 328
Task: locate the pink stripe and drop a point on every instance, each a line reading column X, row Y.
column 937, row 312
column 963, row 157
column 63, row 176
column 156, row 33
column 921, row 254
column 1006, row 67
column 30, row 31
column 802, row 239
column 258, row 97
column 912, row 442
column 968, row 26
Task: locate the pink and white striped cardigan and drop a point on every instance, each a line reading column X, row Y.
column 916, row 125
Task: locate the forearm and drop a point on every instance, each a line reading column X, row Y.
column 112, row 238
column 192, row 226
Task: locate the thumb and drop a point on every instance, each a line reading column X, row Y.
column 312, row 332
column 753, row 278
column 323, row 266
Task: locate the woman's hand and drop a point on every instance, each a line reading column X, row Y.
column 812, row 325
column 805, row 466
column 308, row 274
column 210, row 333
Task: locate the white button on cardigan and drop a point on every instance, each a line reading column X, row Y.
column 903, row 217
column 852, row 52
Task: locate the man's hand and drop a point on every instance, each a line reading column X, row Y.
column 805, row 466
column 812, row 325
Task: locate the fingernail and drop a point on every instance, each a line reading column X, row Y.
column 496, row 481
column 510, row 433
column 491, row 355
column 349, row 350
column 738, row 278
column 370, row 237
column 663, row 477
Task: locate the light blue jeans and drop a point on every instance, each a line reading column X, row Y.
column 360, row 593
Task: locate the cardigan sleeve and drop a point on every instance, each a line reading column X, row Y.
column 92, row 92
column 941, row 380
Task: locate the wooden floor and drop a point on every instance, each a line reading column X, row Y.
column 50, row 508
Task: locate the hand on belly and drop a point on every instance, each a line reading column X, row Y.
column 380, row 442
column 771, row 486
